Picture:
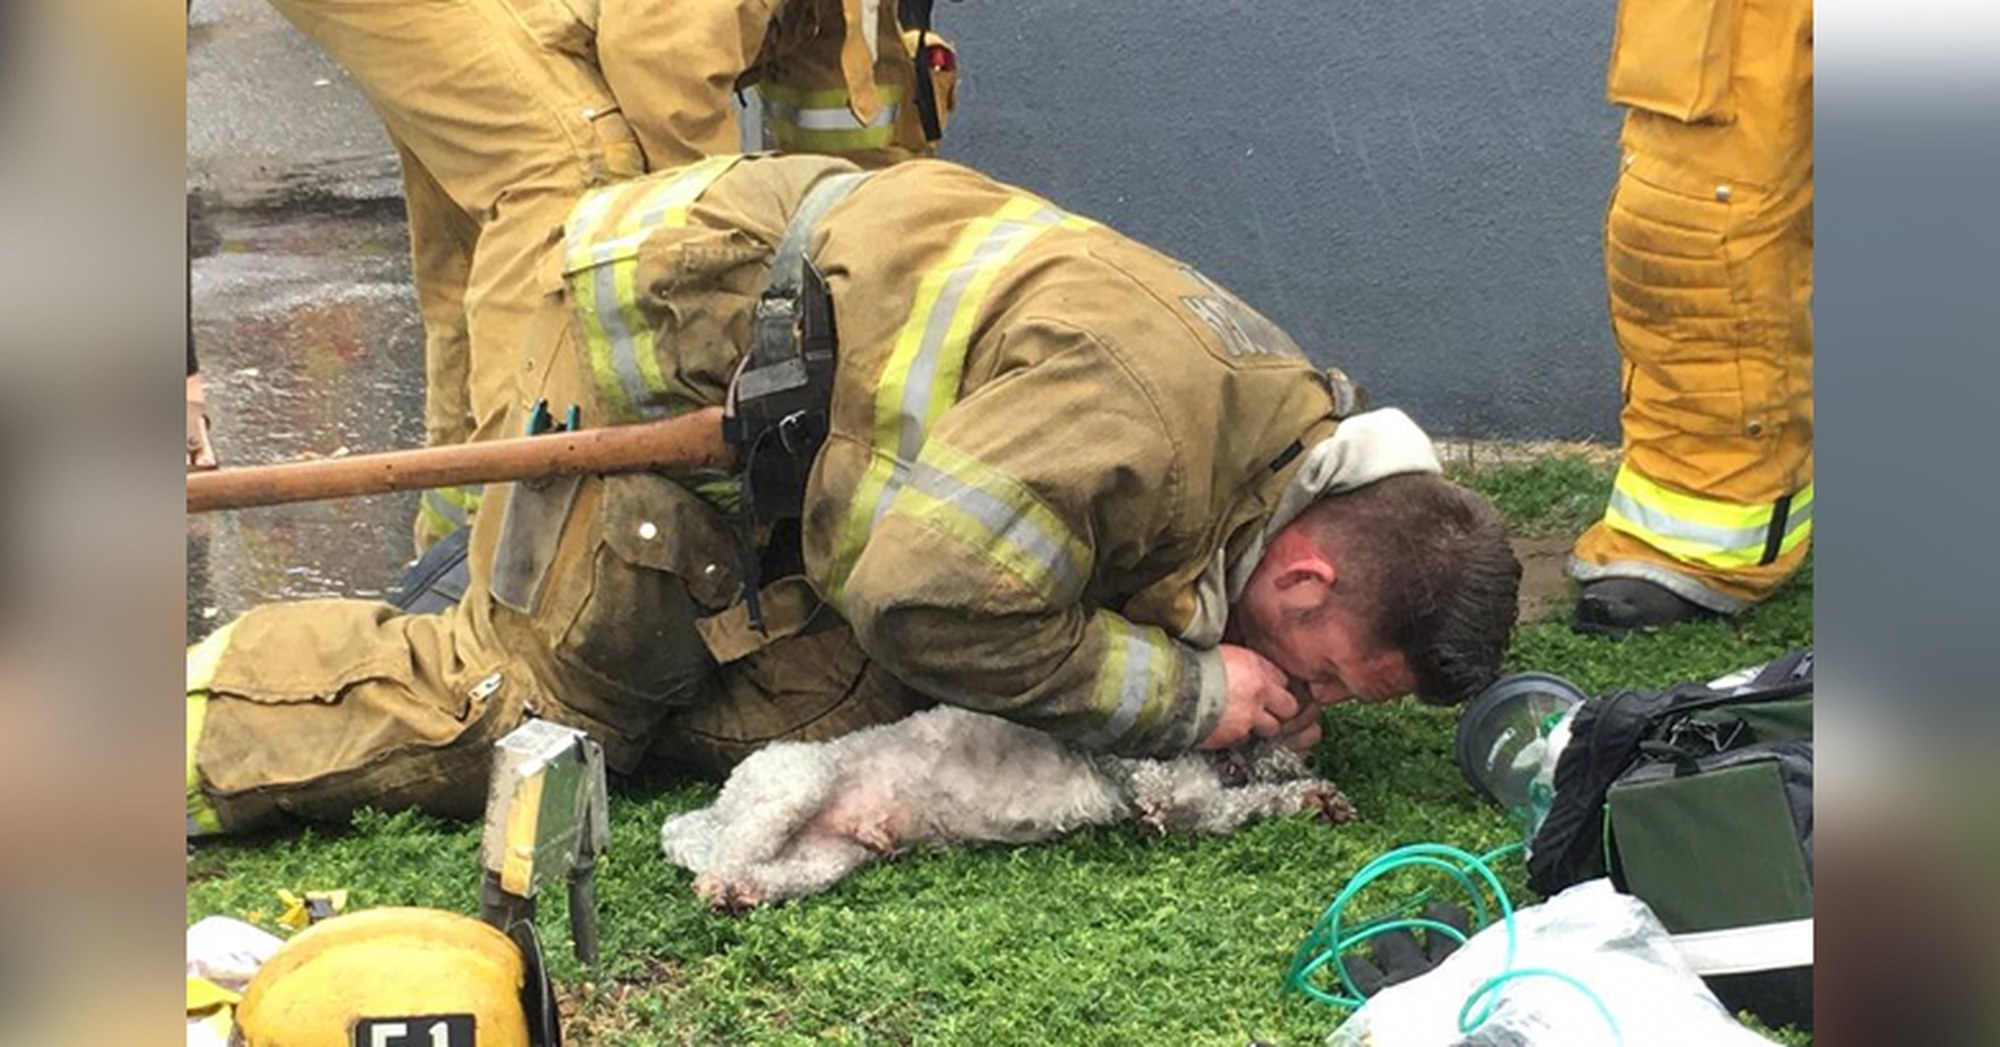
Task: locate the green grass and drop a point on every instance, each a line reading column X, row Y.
column 1106, row 937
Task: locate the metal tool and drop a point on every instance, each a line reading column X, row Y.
column 546, row 823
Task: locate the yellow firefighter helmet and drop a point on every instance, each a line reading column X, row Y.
column 396, row 977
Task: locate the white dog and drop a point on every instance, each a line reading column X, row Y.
column 796, row 817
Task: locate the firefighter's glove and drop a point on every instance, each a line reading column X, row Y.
column 1397, row 956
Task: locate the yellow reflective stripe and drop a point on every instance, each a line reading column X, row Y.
column 998, row 517
column 795, row 139
column 1693, row 509
column 923, row 373
column 203, row 657
column 201, row 816
column 584, row 226
column 593, row 236
column 1134, row 679
column 725, row 494
column 448, row 508
column 625, row 282
column 597, row 341
column 824, row 119
column 202, row 660
column 601, row 249
column 1714, row 533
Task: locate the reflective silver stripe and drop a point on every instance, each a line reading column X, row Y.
column 922, row 374
column 1798, row 518
column 440, row 503
column 1660, row 522
column 839, row 118
column 582, row 226
column 664, row 198
column 624, row 341
column 611, row 314
column 1135, row 684
column 1005, row 522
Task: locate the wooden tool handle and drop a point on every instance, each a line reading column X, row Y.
column 685, row 443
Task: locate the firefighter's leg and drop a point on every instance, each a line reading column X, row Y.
column 1713, row 501
column 674, row 65
column 315, row 709
column 502, row 105
column 586, row 617
column 1708, row 259
column 441, row 242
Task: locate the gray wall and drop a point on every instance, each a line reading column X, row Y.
column 1413, row 188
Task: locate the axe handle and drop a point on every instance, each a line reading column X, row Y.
column 682, row 444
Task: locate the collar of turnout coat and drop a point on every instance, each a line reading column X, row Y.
column 1363, row 449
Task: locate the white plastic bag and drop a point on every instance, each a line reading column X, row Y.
column 227, row 952
column 1609, row 942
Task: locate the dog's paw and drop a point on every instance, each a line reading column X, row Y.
column 724, row 895
column 878, row 837
column 1328, row 804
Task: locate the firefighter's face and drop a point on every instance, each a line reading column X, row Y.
column 1293, row 613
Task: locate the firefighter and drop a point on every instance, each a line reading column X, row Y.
column 1027, row 466
column 1708, row 257
column 502, row 111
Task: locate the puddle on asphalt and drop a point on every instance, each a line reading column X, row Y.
column 310, row 342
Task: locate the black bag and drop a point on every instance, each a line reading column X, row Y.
column 1698, row 800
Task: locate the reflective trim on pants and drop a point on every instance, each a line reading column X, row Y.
column 201, row 661
column 824, row 122
column 1706, row 531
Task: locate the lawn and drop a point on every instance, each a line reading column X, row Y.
column 1107, row 937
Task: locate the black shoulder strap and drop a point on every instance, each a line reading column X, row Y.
column 778, row 400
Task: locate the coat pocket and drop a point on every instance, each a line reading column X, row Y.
column 1676, row 57
column 313, row 652
column 624, row 618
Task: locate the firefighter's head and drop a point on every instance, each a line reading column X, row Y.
column 1406, row 585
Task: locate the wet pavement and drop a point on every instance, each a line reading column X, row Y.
column 304, row 316
column 310, row 343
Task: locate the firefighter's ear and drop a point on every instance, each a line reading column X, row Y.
column 1304, row 581
column 1300, row 574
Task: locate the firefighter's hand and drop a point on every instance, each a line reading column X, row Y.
column 1258, row 704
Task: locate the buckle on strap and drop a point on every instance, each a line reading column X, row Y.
column 778, row 401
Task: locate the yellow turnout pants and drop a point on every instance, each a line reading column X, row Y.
column 501, row 119
column 582, row 607
column 1708, row 261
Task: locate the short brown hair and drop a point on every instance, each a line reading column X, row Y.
column 1431, row 568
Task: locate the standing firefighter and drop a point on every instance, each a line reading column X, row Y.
column 997, row 455
column 504, row 111
column 1708, row 253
